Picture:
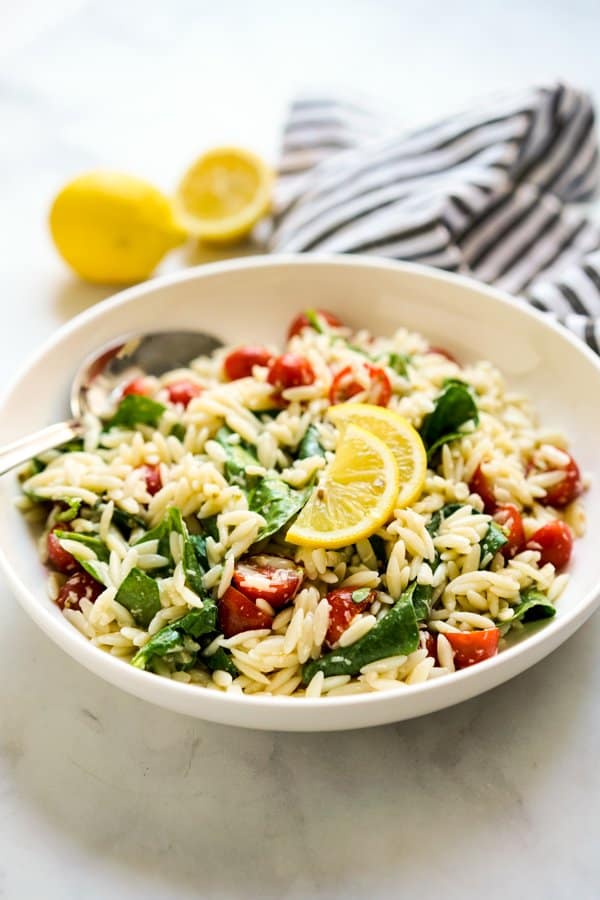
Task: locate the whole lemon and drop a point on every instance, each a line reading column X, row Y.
column 113, row 228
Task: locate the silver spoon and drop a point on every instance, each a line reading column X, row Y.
column 96, row 382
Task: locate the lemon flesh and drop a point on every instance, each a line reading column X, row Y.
column 223, row 195
column 113, row 228
column 398, row 434
column 355, row 497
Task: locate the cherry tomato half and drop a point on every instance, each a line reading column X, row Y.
column 238, row 613
column 567, row 489
column 153, row 479
column 75, row 588
column 554, row 541
column 343, row 609
column 273, row 578
column 480, row 484
column 509, row 518
column 60, row 559
column 301, row 322
column 290, row 370
column 138, row 386
column 183, row 391
column 239, row 363
column 472, row 647
column 346, row 385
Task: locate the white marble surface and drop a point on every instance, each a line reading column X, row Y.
column 104, row 796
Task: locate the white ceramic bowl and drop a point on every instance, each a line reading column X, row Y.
column 254, row 300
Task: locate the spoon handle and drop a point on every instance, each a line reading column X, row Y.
column 20, row 451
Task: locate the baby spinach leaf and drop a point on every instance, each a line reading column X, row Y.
column 172, row 638
column 454, row 407
column 361, row 594
column 491, row 542
column 135, row 409
column 433, row 526
column 239, row 457
column 88, row 540
column 398, row 362
column 222, row 660
column 276, row 502
column 310, row 445
column 72, row 510
column 73, row 446
column 422, row 597
column 198, row 542
column 533, row 606
column 178, row 431
column 139, row 594
column 395, row 634
column 126, row 520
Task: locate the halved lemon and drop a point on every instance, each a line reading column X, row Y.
column 356, row 495
column 398, row 434
column 223, row 195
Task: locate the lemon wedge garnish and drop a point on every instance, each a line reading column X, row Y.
column 113, row 228
column 356, row 494
column 223, row 195
column 398, row 434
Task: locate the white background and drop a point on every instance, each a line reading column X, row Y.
column 104, row 796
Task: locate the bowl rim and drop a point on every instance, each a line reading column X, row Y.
column 500, row 668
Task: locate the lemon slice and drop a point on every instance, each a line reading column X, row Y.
column 223, row 195
column 356, row 495
column 398, row 434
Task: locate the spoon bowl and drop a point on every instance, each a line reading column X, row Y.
column 97, row 382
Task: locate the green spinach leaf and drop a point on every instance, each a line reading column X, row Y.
column 422, row 597
column 533, row 606
column 398, row 362
column 222, row 660
column 454, row 407
column 88, row 540
column 310, row 445
column 135, row 409
column 239, row 457
column 172, row 638
column 139, row 594
column 277, row 502
column 492, row 541
column 395, row 634
column 72, row 510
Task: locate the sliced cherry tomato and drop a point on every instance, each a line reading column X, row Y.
column 272, row 578
column 153, row 479
column 290, row 370
column 471, row 647
column 60, row 559
column 343, row 609
column 75, row 588
column 445, row 353
column 346, row 385
column 302, row 321
column 554, row 541
column 509, row 518
column 480, row 484
column 567, row 489
column 238, row 613
column 183, row 391
column 137, row 386
column 428, row 642
column 239, row 363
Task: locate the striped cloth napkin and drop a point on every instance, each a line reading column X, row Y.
column 490, row 192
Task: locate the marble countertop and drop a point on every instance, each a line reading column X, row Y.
column 105, row 796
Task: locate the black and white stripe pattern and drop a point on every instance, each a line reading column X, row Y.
column 487, row 192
